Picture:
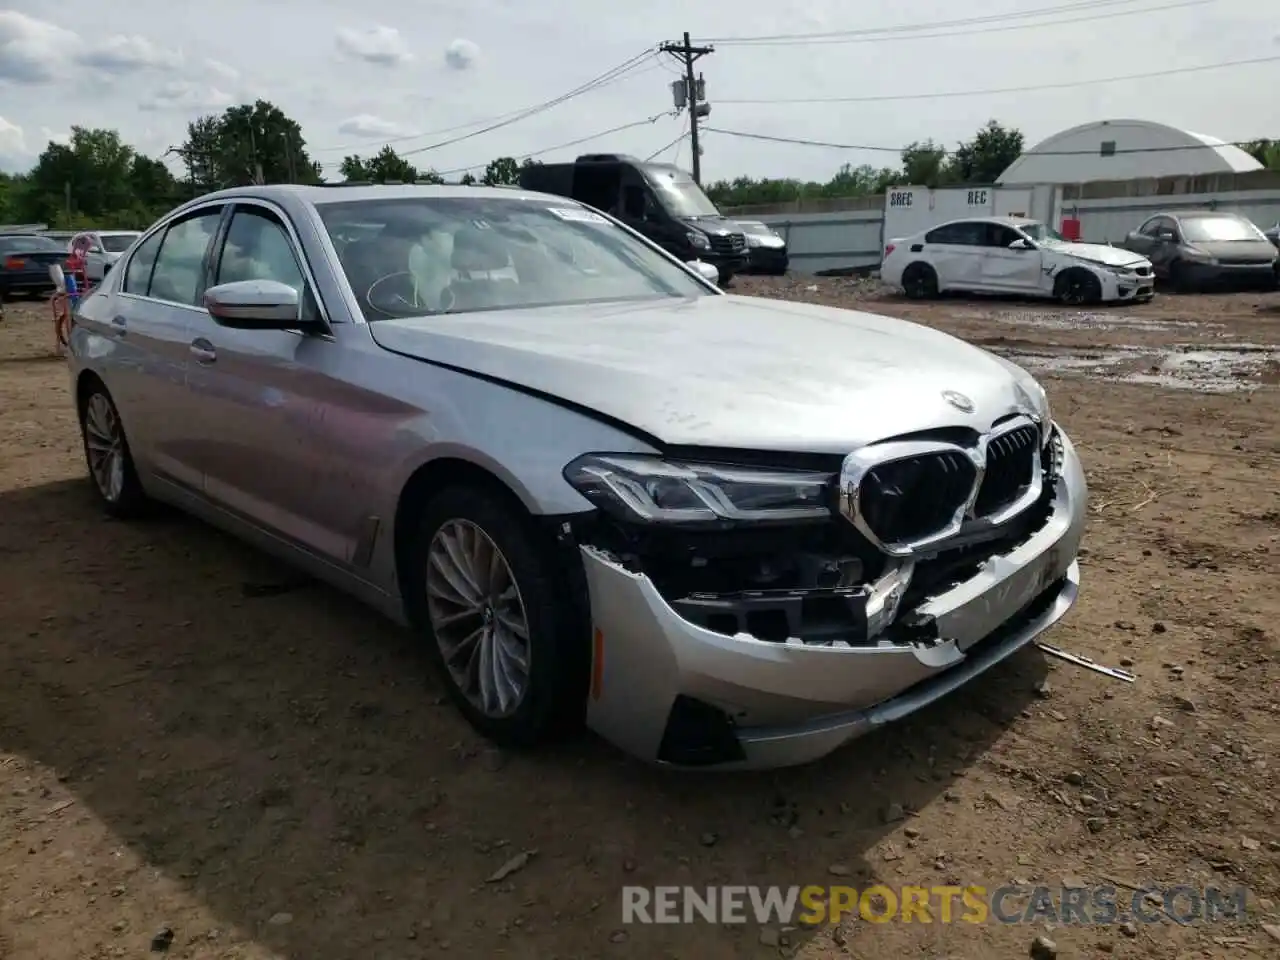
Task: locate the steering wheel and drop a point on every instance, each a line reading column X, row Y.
column 391, row 304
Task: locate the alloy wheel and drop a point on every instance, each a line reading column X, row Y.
column 104, row 443
column 478, row 617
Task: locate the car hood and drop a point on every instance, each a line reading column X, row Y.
column 1100, row 253
column 727, row 371
column 1248, row 250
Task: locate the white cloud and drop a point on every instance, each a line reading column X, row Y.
column 379, row 45
column 223, row 71
column 371, row 127
column 13, row 147
column 461, row 54
column 31, row 50
column 52, row 136
column 127, row 54
column 187, row 97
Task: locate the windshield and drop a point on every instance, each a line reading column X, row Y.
column 31, row 244
column 1042, row 233
column 1223, row 229
column 406, row 258
column 118, row 242
column 681, row 196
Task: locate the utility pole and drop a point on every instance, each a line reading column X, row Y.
column 691, row 93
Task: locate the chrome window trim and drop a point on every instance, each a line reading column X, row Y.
column 221, row 203
column 859, row 463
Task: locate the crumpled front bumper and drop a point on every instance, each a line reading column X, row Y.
column 788, row 703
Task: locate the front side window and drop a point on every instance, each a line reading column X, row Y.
column 1219, row 230
column 258, row 248
column 428, row 256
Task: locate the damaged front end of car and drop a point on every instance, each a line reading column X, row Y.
column 758, row 616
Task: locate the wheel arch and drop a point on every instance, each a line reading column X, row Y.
column 451, row 468
column 86, row 381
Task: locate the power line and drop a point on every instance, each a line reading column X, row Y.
column 801, row 142
column 1065, row 85
column 684, row 134
column 930, row 25
column 626, row 70
column 571, row 143
column 982, row 30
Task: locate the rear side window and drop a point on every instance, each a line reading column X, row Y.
column 137, row 279
column 179, row 269
column 970, row 234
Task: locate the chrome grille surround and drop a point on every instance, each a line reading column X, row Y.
column 859, row 464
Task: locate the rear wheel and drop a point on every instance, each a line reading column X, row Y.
column 106, row 452
column 1077, row 288
column 920, row 282
column 486, row 592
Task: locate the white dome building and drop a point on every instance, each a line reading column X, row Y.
column 1125, row 150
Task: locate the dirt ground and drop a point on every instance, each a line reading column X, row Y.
column 274, row 773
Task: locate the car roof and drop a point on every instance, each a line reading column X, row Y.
column 340, row 193
column 1002, row 221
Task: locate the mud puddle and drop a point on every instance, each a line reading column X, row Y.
column 1086, row 321
column 1222, row 369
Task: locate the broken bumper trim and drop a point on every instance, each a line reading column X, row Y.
column 791, row 703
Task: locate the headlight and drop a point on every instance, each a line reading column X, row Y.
column 1198, row 256
column 651, row 490
column 1038, row 400
column 699, row 240
column 753, row 241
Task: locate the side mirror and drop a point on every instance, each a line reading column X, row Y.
column 705, row 270
column 1022, row 243
column 254, row 305
column 1167, row 235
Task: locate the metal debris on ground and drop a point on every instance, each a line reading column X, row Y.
column 1082, row 661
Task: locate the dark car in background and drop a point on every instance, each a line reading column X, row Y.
column 766, row 249
column 25, row 259
column 1195, row 250
column 659, row 201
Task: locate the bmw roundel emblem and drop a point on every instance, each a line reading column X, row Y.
column 958, row 400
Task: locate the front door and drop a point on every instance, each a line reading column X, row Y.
column 271, row 441
column 1003, row 269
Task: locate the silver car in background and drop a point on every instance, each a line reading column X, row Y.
column 723, row 531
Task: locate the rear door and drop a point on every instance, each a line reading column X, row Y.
column 956, row 251
column 153, row 321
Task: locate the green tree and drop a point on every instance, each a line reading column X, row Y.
column 386, row 166
column 503, row 170
column 924, row 163
column 1266, row 152
column 249, row 143
column 986, row 156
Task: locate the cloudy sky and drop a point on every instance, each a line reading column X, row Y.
column 357, row 74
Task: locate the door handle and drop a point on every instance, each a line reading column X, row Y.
column 118, row 325
column 203, row 351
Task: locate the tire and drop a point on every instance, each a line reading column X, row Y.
column 920, row 282
column 1077, row 288
column 555, row 654
column 107, row 455
column 1178, row 279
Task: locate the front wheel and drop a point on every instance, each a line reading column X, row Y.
column 486, row 592
column 1077, row 287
